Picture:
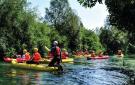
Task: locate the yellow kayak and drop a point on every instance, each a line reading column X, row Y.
column 33, row 66
column 80, row 56
column 68, row 60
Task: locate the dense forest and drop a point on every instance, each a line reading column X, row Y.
column 21, row 27
column 122, row 16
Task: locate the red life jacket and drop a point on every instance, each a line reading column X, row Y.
column 36, row 57
column 86, row 52
column 27, row 56
column 64, row 55
column 56, row 51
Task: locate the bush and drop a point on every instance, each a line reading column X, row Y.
column 10, row 52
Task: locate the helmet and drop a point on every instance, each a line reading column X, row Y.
column 64, row 49
column 35, row 49
column 55, row 43
column 24, row 51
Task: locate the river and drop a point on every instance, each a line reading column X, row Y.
column 82, row 72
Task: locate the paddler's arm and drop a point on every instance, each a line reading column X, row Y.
column 46, row 48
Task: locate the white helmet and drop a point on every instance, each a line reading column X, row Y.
column 55, row 43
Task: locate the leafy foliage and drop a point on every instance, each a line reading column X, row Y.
column 20, row 28
column 65, row 21
column 10, row 52
column 90, row 40
column 122, row 12
column 89, row 3
column 113, row 39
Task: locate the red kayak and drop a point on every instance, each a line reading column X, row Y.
column 97, row 57
column 20, row 60
column 7, row 59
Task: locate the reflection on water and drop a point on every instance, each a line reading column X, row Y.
column 86, row 73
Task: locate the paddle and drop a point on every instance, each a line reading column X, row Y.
column 47, row 49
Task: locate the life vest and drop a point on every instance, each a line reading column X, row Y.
column 55, row 51
column 64, row 55
column 27, row 56
column 36, row 57
column 93, row 55
column 86, row 52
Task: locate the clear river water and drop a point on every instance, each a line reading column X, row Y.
column 81, row 72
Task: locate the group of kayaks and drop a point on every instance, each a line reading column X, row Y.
column 39, row 67
column 43, row 61
column 96, row 57
column 42, row 66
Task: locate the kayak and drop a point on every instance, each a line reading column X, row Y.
column 78, row 56
column 7, row 59
column 120, row 56
column 87, row 55
column 97, row 57
column 19, row 60
column 68, row 60
column 37, row 67
column 43, row 61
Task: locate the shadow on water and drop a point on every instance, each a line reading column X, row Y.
column 82, row 72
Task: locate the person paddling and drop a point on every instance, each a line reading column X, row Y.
column 93, row 53
column 26, row 55
column 65, row 54
column 35, row 58
column 100, row 53
column 56, row 53
column 119, row 53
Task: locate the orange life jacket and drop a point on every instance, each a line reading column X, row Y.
column 64, row 55
column 27, row 56
column 36, row 56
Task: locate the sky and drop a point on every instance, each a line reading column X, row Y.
column 90, row 17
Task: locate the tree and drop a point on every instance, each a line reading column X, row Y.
column 113, row 39
column 89, row 3
column 57, row 14
column 90, row 40
column 122, row 15
column 121, row 12
column 15, row 22
column 64, row 20
column 10, row 23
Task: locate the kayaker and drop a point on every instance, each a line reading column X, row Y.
column 35, row 58
column 86, row 52
column 26, row 55
column 93, row 53
column 36, row 55
column 100, row 53
column 119, row 53
column 64, row 54
column 56, row 53
column 80, row 53
column 73, row 52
